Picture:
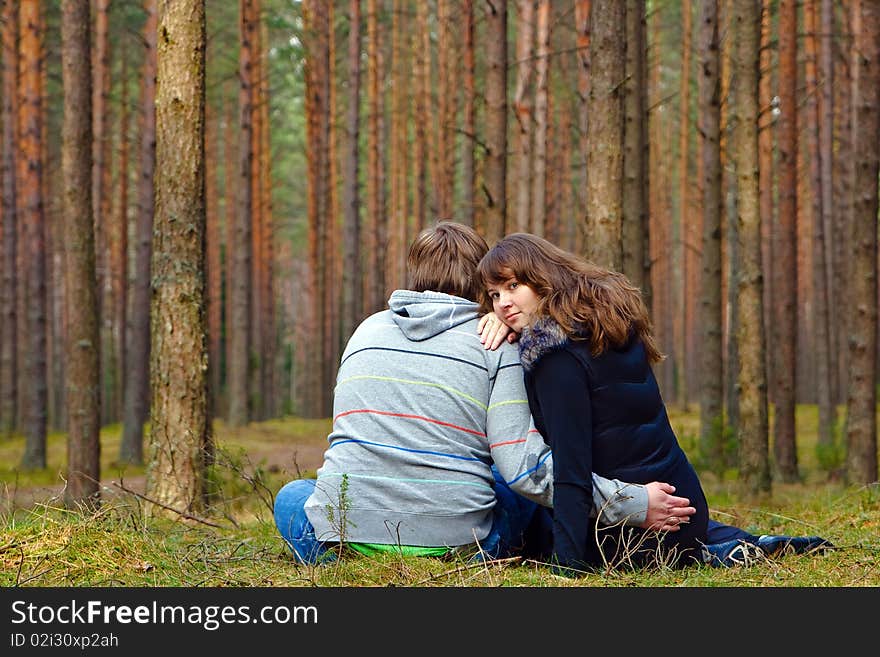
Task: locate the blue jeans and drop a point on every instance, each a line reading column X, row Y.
column 515, row 518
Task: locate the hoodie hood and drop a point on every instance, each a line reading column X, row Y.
column 422, row 315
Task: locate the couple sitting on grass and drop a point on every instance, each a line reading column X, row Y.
column 448, row 439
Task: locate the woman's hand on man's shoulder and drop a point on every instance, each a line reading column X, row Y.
column 493, row 331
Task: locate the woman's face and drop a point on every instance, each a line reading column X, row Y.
column 515, row 303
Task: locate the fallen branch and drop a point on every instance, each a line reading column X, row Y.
column 182, row 514
column 471, row 566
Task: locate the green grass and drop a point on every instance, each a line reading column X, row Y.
column 43, row 544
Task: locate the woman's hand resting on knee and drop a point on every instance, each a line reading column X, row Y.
column 666, row 512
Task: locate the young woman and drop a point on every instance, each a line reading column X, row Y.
column 587, row 349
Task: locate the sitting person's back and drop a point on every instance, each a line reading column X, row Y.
column 417, row 400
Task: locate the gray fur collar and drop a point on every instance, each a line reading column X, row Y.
column 541, row 338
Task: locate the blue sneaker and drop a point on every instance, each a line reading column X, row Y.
column 728, row 554
column 773, row 545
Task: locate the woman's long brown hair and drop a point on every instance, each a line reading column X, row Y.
column 588, row 301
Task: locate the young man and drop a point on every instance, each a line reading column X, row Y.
column 433, row 448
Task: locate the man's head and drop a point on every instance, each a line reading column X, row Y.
column 444, row 258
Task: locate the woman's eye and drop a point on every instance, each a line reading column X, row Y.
column 514, row 285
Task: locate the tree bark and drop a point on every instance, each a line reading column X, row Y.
column 582, row 26
column 31, row 118
column 495, row 171
column 712, row 362
column 212, row 263
column 179, row 432
column 843, row 188
column 682, row 262
column 82, row 346
column 784, row 256
column 9, row 348
column 826, row 163
column 522, row 111
column 101, row 161
column 422, row 96
column 351, row 221
column 861, row 434
column 605, row 145
column 121, row 265
column 240, row 289
column 469, row 111
column 635, row 183
column 446, row 110
column 766, row 172
column 374, row 244
column 542, row 120
column 137, row 375
column 827, row 410
column 751, row 379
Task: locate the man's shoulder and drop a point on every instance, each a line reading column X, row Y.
column 376, row 319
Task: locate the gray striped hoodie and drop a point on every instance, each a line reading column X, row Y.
column 421, row 413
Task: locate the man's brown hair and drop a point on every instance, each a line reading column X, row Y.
column 444, row 258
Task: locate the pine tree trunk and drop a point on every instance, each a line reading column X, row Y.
column 395, row 275
column 826, row 149
column 660, row 216
column 240, row 288
column 212, row 262
column 843, row 191
column 31, row 134
column 230, row 213
column 635, row 183
column 522, row 112
column 9, row 335
column 711, row 374
column 329, row 219
column 422, row 99
column 820, row 288
column 469, row 110
column 269, row 342
column 256, row 408
column 179, row 359
column 542, row 119
column 137, row 375
column 446, row 109
column 784, row 256
column 682, row 257
column 100, row 210
column 82, row 346
column 317, row 88
column 374, row 274
column 582, row 26
column 351, row 221
column 729, row 249
column 494, row 171
column 121, row 319
column 861, row 435
column 766, row 174
column 605, row 145
column 751, row 379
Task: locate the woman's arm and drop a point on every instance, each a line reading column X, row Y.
column 561, row 393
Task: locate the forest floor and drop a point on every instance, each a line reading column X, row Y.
column 235, row 541
column 281, row 450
